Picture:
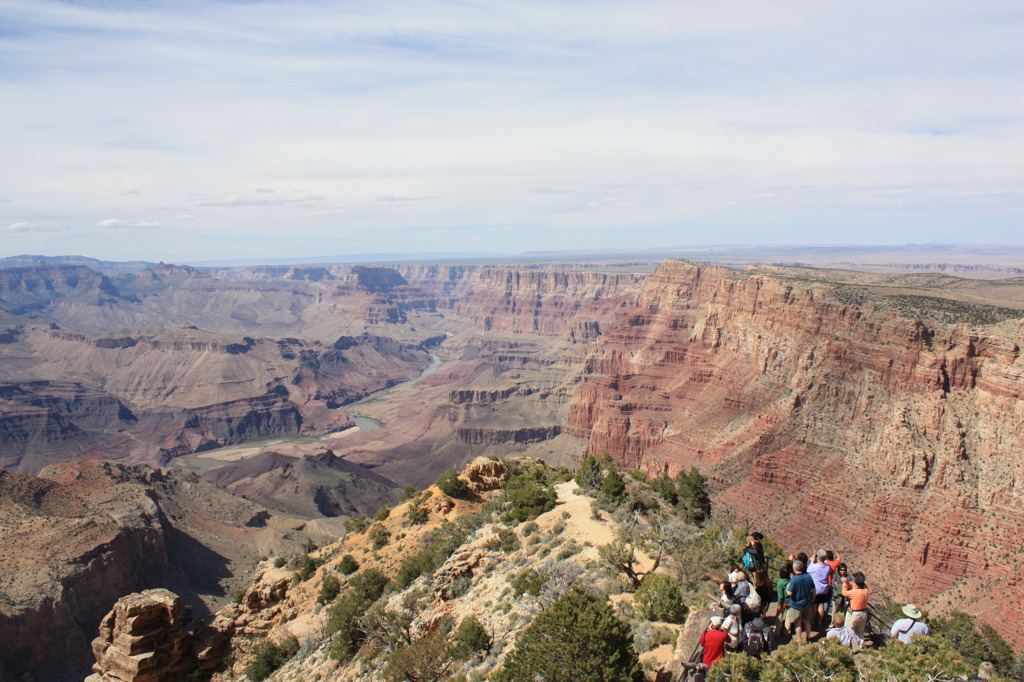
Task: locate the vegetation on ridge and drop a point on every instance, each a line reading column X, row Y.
column 529, row 581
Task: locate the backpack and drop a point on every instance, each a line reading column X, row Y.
column 748, row 561
column 753, row 602
column 755, row 644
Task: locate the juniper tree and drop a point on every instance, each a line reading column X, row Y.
column 578, row 637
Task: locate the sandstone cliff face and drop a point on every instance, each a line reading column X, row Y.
column 541, row 302
column 826, row 422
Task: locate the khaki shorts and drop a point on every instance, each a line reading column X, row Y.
column 795, row 616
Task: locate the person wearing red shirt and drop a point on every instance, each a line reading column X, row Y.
column 713, row 640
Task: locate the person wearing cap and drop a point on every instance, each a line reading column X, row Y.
column 905, row 628
column 713, row 640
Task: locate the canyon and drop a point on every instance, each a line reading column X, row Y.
column 878, row 413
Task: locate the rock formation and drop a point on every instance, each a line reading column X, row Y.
column 144, row 639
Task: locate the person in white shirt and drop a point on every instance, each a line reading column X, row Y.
column 844, row 634
column 733, row 625
column 905, row 628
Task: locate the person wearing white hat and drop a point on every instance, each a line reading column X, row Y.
column 905, row 628
column 713, row 640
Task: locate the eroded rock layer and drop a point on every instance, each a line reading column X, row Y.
column 828, row 418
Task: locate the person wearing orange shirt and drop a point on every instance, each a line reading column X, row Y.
column 857, row 594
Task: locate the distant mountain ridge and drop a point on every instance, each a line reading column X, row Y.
column 106, row 267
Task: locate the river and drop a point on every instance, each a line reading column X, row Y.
column 209, row 459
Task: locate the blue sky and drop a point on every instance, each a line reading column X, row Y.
column 183, row 130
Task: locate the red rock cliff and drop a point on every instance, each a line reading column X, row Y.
column 827, row 423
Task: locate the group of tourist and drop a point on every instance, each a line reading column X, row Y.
column 811, row 592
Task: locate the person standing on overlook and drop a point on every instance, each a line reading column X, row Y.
column 821, row 573
column 913, row 624
column 801, row 601
column 714, row 640
column 857, row 595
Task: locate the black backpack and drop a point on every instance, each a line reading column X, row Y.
column 754, row 644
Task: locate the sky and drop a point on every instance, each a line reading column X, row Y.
column 180, row 130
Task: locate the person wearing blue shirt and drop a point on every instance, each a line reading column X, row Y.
column 801, row 601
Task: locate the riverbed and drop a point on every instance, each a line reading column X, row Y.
column 209, row 459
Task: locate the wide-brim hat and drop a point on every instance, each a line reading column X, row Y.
column 716, row 621
column 912, row 611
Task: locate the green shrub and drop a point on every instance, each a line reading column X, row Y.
column 504, row 540
column 613, row 489
column 694, row 502
column 815, row 661
column 413, row 567
column 590, row 475
column 343, row 618
column 637, row 475
column 660, row 598
column 527, row 497
column 579, row 637
column 357, row 524
column 739, row 668
column 270, row 657
column 927, row 659
column 666, row 488
column 382, row 513
column 280, row 561
column 305, row 567
column 974, row 644
column 416, row 515
column 329, row 589
column 409, row 492
column 378, row 536
column 470, row 638
column 453, row 486
column 424, row 660
column 528, row 581
column 369, row 585
column 348, row 565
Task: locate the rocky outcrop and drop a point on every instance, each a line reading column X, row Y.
column 825, row 418
column 484, row 474
column 143, row 639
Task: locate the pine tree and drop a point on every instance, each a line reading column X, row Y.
column 578, row 637
column 614, row 488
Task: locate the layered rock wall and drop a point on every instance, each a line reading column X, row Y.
column 825, row 422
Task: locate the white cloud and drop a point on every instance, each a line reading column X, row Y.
column 185, row 216
column 18, row 226
column 117, row 222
